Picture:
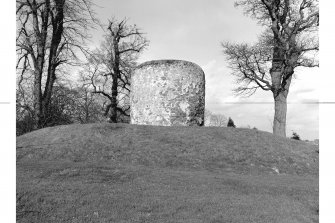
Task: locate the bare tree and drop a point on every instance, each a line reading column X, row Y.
column 289, row 41
column 213, row 119
column 110, row 67
column 49, row 33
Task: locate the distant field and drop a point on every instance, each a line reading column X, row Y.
column 127, row 173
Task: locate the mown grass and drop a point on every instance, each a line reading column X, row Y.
column 126, row 173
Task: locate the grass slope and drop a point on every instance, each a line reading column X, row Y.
column 128, row 173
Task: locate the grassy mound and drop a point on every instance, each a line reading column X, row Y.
column 210, row 148
column 128, row 173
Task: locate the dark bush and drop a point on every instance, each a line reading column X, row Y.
column 231, row 123
column 25, row 124
column 295, row 136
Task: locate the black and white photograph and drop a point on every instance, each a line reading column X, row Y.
column 199, row 111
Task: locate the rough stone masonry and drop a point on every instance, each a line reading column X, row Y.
column 168, row 93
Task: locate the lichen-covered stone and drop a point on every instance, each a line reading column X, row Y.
column 168, row 93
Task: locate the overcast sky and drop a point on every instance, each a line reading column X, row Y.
column 192, row 30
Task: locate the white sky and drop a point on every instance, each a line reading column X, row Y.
column 193, row 30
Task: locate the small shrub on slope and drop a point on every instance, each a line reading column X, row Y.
column 231, row 123
column 295, row 136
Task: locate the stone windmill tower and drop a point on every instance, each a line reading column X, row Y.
column 168, row 93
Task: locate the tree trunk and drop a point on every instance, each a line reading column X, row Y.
column 116, row 75
column 40, row 33
column 279, row 121
column 279, row 91
column 57, row 31
column 113, row 117
column 280, row 99
column 37, row 98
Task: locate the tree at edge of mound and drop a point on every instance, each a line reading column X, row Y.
column 110, row 67
column 51, row 34
column 290, row 40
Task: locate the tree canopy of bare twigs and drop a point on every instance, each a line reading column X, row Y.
column 69, row 104
column 290, row 40
column 110, row 67
column 50, row 33
column 214, row 119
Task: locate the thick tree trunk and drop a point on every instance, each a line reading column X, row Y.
column 280, row 91
column 281, row 79
column 279, row 121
